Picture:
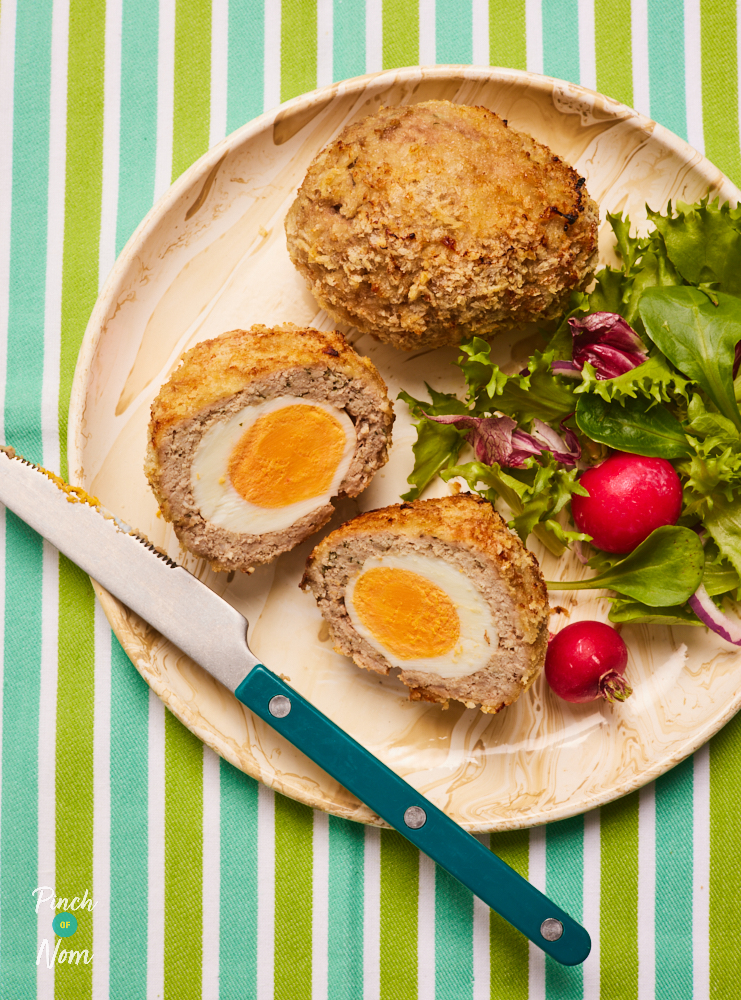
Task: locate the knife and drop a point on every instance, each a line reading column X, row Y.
column 214, row 634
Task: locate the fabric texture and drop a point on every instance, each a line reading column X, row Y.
column 205, row 883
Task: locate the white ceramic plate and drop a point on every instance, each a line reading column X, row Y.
column 210, row 257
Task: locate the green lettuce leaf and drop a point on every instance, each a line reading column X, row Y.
column 655, row 380
column 626, row 611
column 703, row 242
column 437, row 445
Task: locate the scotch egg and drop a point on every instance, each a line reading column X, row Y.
column 442, row 591
column 256, row 432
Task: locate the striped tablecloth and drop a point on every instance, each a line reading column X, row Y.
column 206, row 884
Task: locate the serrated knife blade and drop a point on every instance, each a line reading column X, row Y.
column 214, row 634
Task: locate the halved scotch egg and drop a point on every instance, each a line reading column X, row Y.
column 256, row 432
column 441, row 590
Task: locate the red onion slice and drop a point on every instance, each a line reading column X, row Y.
column 710, row 614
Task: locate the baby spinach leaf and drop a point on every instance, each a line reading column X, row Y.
column 632, row 426
column 698, row 337
column 663, row 571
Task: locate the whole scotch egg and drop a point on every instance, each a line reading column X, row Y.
column 256, row 432
column 442, row 591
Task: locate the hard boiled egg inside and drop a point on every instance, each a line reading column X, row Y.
column 271, row 464
column 422, row 614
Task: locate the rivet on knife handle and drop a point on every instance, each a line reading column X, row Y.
column 409, row 812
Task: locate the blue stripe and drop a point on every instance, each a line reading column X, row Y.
column 674, row 863
column 348, row 42
column 345, row 898
column 453, row 31
column 20, row 747
column 238, row 903
column 561, row 39
column 245, row 69
column 564, row 884
column 453, row 938
column 138, row 125
column 129, row 828
column 666, row 65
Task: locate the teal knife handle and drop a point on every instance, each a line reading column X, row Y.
column 390, row 796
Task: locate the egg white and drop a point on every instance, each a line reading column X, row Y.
column 213, row 492
column 472, row 651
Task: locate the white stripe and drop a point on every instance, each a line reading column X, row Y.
column 156, row 850
column 7, row 69
column 587, row 57
column 534, row 38
column 591, row 912
column 536, row 877
column 211, row 873
column 47, row 755
column 646, row 891
column 111, row 133
column 693, row 74
column 324, row 43
column 165, row 97
column 639, row 42
column 481, row 941
column 265, row 891
column 101, row 887
column 271, row 91
column 55, row 235
column 427, row 39
column 219, row 69
column 426, row 928
column 480, row 26
column 320, row 908
column 373, row 36
column 372, row 914
column 701, row 874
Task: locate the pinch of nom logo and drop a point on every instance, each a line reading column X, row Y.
column 64, row 924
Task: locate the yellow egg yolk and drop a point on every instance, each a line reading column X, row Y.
column 286, row 456
column 407, row 613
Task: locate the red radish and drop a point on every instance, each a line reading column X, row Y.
column 585, row 661
column 629, row 497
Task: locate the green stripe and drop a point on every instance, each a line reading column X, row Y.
column 720, row 86
column 725, row 866
column 561, row 21
column 83, row 188
column 345, row 905
column 613, row 49
column 348, row 42
column 183, row 861
column 74, row 775
column 246, row 62
column 666, row 65
column 238, row 904
column 129, row 828
column 191, row 113
column 138, row 125
column 399, row 904
column 20, row 745
column 453, row 31
column 674, row 861
column 507, row 34
column 453, row 938
column 508, row 949
column 294, row 844
column 297, row 37
column 400, row 33
column 564, row 884
column 619, row 900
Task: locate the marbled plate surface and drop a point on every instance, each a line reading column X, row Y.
column 211, row 257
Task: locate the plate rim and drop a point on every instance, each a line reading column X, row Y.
column 189, row 179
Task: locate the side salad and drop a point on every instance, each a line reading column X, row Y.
column 646, row 364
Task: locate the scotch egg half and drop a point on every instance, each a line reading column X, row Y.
column 422, row 614
column 271, row 464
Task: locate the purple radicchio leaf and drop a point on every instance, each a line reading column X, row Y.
column 608, row 343
column 498, row 439
column 737, row 359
